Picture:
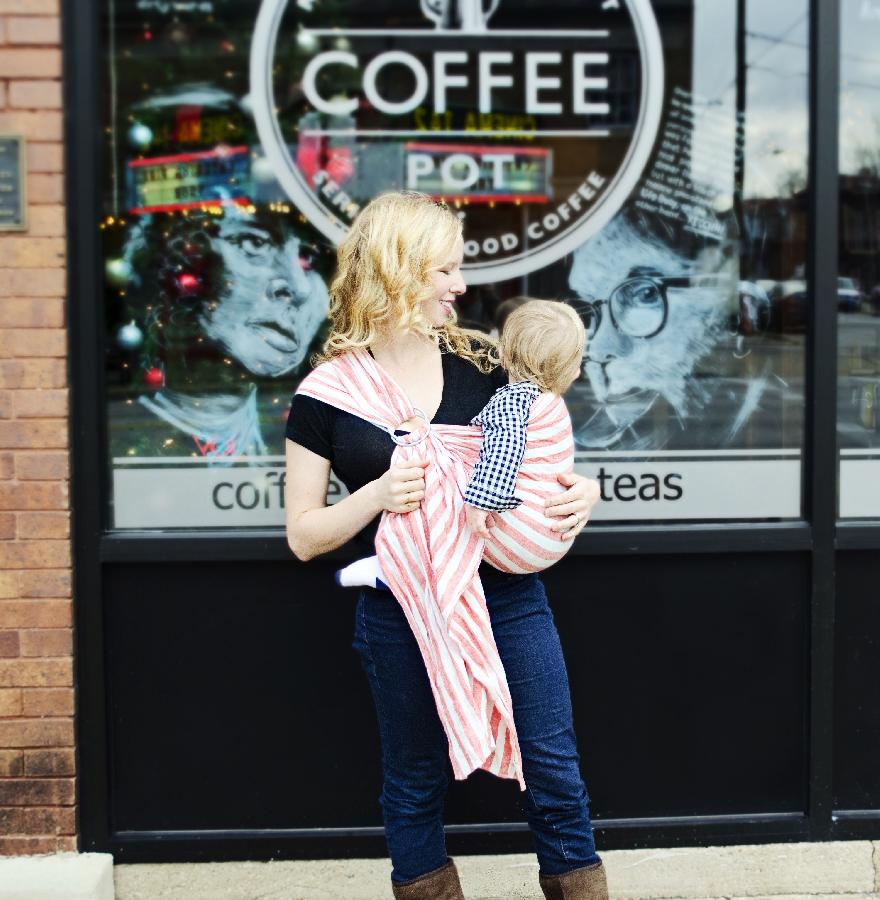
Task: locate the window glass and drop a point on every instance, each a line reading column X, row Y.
column 619, row 157
column 858, row 284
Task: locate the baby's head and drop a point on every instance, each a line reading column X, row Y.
column 543, row 342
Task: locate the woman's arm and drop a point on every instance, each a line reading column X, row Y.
column 313, row 527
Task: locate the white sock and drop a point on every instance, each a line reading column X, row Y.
column 364, row 571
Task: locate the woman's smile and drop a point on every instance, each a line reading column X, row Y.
column 448, row 283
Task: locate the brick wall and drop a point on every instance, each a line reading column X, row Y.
column 37, row 787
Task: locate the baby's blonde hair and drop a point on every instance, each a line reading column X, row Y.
column 382, row 277
column 542, row 342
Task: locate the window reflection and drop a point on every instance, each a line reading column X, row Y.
column 716, row 361
column 693, row 289
column 858, row 291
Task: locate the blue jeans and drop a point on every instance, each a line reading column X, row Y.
column 415, row 748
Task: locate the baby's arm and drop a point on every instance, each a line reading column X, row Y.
column 476, row 520
column 491, row 487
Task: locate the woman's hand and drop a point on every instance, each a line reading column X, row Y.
column 402, row 488
column 573, row 505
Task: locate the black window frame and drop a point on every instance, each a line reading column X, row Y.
column 818, row 533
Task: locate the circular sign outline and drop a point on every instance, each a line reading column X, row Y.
column 625, row 179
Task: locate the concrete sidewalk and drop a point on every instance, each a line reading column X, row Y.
column 802, row 871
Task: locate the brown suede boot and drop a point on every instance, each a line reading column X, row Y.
column 441, row 884
column 587, row 883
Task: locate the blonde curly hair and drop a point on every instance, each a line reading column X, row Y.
column 382, row 277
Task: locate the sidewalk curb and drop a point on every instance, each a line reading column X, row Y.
column 796, row 871
column 57, row 876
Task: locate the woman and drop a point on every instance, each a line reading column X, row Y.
column 398, row 278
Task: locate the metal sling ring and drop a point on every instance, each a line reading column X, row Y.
column 404, row 441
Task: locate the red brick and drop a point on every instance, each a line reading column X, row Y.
column 40, row 554
column 6, row 404
column 33, row 495
column 42, row 466
column 47, row 702
column 24, row 733
column 9, row 585
column 2, row 41
column 9, row 644
column 34, row 673
column 33, row 343
column 33, row 312
column 49, row 762
column 33, row 282
column 49, row 583
column 45, row 643
column 45, row 157
column 34, row 30
column 46, row 221
column 41, row 404
column 7, row 463
column 36, row 792
column 30, row 7
column 37, row 525
column 45, row 188
column 36, row 613
column 38, row 820
column 3, row 100
column 10, row 704
column 46, row 125
column 31, row 252
column 34, row 554
column 28, row 63
column 29, row 845
column 35, row 94
column 32, row 373
column 12, row 763
column 34, row 433
column 8, row 526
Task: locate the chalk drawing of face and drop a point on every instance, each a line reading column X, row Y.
column 271, row 303
column 651, row 318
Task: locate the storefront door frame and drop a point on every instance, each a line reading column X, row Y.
column 96, row 546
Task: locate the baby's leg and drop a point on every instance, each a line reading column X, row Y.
column 366, row 571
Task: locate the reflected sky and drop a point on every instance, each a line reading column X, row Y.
column 776, row 85
column 859, row 85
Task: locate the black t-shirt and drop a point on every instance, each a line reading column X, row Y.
column 360, row 452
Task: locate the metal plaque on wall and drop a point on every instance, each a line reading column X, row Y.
column 13, row 203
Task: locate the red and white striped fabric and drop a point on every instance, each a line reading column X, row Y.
column 429, row 557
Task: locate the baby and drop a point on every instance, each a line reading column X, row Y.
column 541, row 347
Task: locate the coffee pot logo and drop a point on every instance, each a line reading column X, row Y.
column 465, row 15
column 537, row 134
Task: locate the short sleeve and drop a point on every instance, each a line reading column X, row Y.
column 310, row 423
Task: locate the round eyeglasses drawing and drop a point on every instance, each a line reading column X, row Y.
column 665, row 336
column 637, row 307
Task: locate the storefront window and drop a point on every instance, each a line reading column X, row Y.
column 858, row 284
column 616, row 156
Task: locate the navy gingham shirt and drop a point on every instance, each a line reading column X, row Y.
column 504, row 419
